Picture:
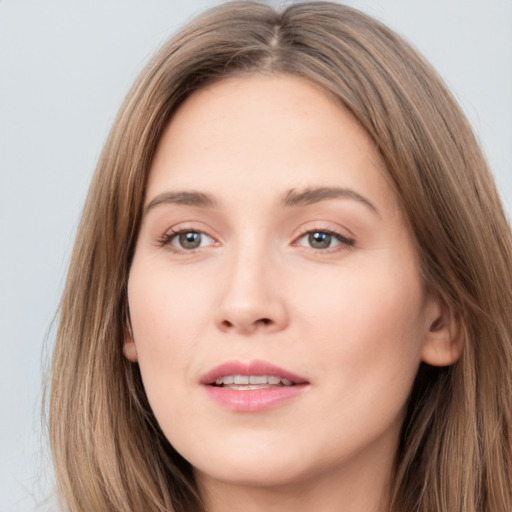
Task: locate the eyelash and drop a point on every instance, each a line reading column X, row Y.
column 345, row 243
column 167, row 238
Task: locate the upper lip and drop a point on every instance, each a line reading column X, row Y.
column 254, row 367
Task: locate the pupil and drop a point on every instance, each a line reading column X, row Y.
column 320, row 240
column 190, row 240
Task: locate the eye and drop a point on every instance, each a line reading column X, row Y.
column 324, row 239
column 186, row 240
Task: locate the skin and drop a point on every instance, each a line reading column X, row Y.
column 352, row 318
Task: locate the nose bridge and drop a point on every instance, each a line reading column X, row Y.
column 251, row 299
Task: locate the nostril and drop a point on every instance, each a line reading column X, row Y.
column 261, row 321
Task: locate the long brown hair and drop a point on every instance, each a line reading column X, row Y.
column 455, row 452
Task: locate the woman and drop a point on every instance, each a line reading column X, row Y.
column 291, row 286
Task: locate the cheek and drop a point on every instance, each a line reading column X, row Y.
column 167, row 325
column 369, row 329
column 166, row 304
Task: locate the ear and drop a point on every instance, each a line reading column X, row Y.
column 444, row 339
column 129, row 348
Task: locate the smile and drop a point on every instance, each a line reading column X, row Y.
column 252, row 387
column 251, row 382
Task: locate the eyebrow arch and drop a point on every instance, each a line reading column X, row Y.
column 294, row 198
column 183, row 197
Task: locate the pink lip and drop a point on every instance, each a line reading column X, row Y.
column 255, row 367
column 252, row 400
column 255, row 400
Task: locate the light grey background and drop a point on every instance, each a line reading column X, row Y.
column 64, row 70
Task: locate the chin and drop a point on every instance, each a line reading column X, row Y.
column 254, row 464
column 252, row 474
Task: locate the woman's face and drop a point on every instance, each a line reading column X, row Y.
column 277, row 309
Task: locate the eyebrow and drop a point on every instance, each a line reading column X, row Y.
column 291, row 199
column 294, row 198
column 186, row 198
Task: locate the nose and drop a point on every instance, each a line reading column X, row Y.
column 252, row 298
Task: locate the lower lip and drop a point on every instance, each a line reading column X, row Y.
column 254, row 400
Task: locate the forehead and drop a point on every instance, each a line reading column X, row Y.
column 259, row 133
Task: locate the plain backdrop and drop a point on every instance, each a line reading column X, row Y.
column 64, row 70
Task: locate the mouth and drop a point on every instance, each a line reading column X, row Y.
column 240, row 375
column 251, row 382
column 253, row 386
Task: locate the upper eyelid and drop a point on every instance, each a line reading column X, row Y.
column 343, row 233
column 327, row 227
column 166, row 240
column 346, row 240
column 192, row 225
column 174, row 232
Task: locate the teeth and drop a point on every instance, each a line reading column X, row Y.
column 259, row 379
column 249, row 387
column 252, row 381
